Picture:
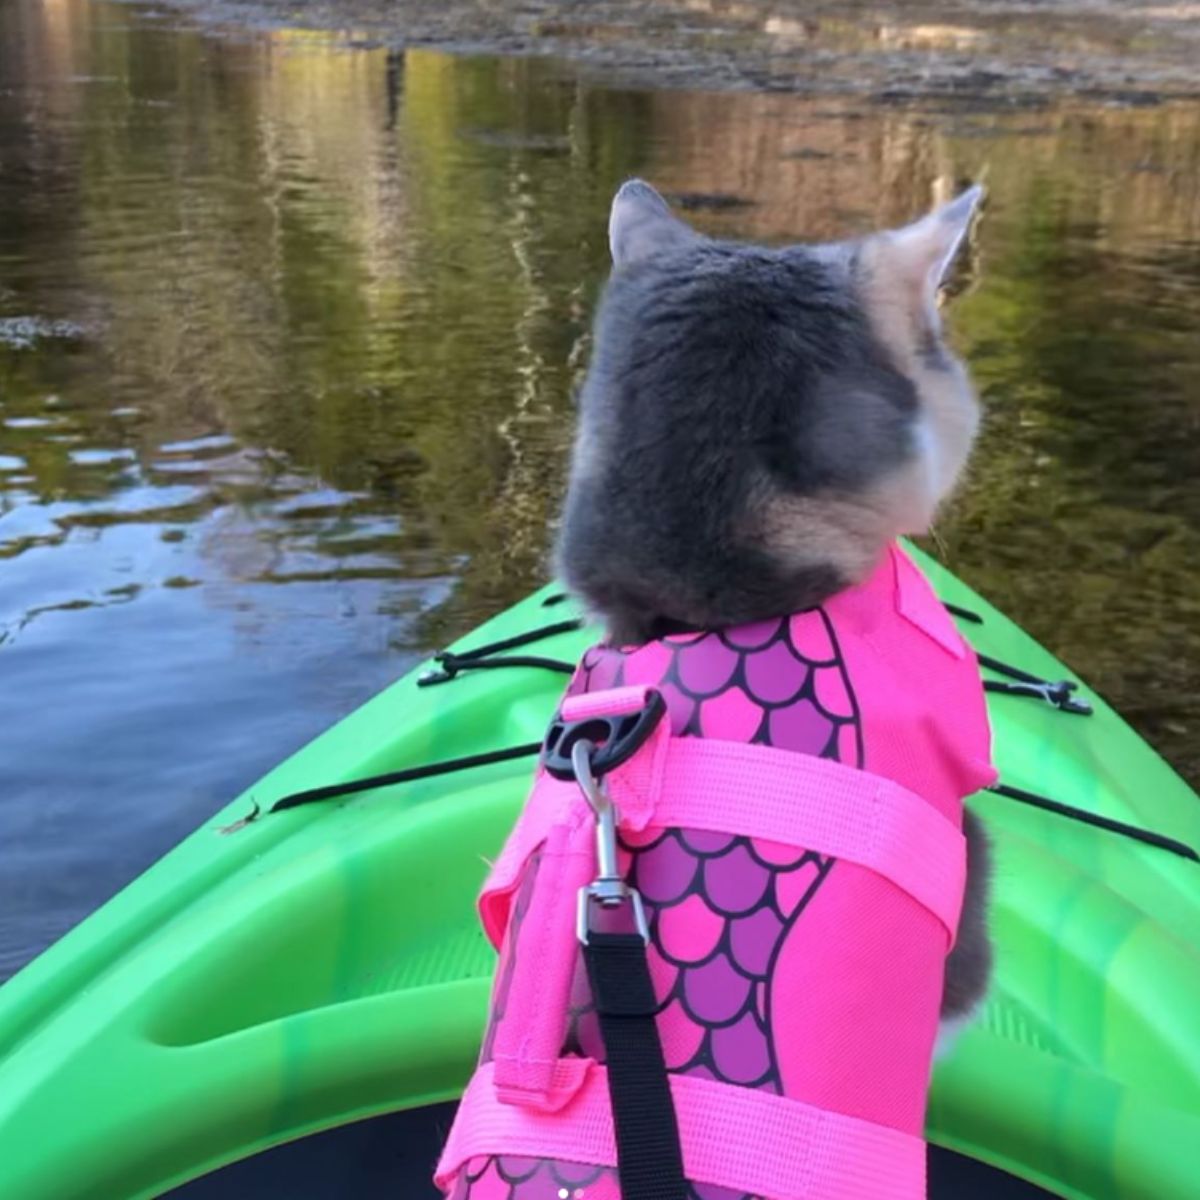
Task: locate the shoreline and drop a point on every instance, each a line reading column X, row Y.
column 970, row 54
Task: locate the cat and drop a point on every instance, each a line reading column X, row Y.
column 756, row 427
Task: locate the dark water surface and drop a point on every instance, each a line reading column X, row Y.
column 288, row 335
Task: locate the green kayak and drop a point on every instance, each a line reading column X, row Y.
column 285, row 972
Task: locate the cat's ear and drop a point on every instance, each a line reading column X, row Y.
column 912, row 262
column 641, row 224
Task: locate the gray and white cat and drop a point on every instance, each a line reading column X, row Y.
column 756, row 426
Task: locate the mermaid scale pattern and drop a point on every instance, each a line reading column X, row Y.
column 506, row 1177
column 775, row 683
column 719, row 906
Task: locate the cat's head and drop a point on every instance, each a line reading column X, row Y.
column 758, row 424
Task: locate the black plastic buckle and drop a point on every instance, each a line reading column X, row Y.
column 616, row 738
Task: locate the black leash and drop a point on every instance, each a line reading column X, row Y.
column 649, row 1156
column 649, row 1159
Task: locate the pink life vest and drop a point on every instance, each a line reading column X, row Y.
column 795, row 833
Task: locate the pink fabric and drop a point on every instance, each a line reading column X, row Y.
column 526, row 1046
column 794, row 830
column 924, row 715
column 732, row 1137
column 857, row 1015
column 615, row 702
column 728, row 787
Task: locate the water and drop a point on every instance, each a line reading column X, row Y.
column 288, row 334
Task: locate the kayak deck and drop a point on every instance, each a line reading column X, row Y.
column 295, row 971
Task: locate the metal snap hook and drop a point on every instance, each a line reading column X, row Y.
column 592, row 788
column 608, row 889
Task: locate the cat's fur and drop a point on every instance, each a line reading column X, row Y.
column 756, row 426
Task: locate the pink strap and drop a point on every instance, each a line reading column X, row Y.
column 733, row 1137
column 775, row 795
column 799, row 800
column 530, row 832
column 530, row 1035
column 612, row 702
column 636, row 785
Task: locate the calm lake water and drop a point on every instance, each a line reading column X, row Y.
column 288, row 337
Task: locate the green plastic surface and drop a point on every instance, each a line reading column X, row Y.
column 324, row 964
